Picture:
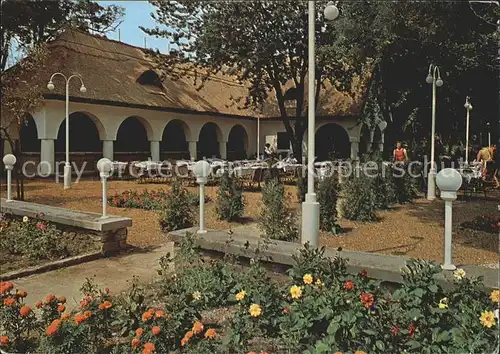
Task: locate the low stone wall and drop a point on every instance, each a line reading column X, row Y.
column 111, row 231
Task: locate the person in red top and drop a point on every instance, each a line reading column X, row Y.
column 400, row 154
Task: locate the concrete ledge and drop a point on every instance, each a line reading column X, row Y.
column 82, row 219
column 86, row 257
column 383, row 267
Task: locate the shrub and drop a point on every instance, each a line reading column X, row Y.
column 277, row 220
column 230, row 203
column 327, row 198
column 385, row 188
column 487, row 223
column 405, row 185
column 178, row 212
column 148, row 200
column 359, row 198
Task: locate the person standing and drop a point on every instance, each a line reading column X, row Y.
column 485, row 157
column 399, row 153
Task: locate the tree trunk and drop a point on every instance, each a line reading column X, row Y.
column 18, row 170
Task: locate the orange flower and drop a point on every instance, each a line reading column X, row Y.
column 24, row 311
column 85, row 301
column 189, row 335
column 53, row 327
column 183, row 341
column 49, row 298
column 135, row 343
column 148, row 348
column 38, row 304
column 6, row 287
column 210, row 333
column 337, row 353
column 105, row 305
column 367, row 300
column 159, row 314
column 65, row 316
column 197, row 327
column 87, row 314
column 22, row 293
column 359, row 352
column 79, row 318
column 4, row 340
column 61, row 308
column 251, row 353
column 263, row 353
column 9, row 301
column 62, row 300
column 106, row 290
column 349, row 285
column 156, row 330
column 139, row 332
column 146, row 316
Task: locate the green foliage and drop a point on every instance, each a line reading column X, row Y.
column 178, row 212
column 32, row 238
column 385, row 187
column 359, row 198
column 277, row 220
column 230, row 203
column 327, row 199
column 405, row 185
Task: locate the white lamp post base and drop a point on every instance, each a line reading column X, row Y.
column 67, row 176
column 310, row 220
column 201, row 231
column 448, row 267
column 431, row 185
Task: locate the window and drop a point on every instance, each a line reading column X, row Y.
column 151, row 78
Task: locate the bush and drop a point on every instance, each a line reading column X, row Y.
column 230, row 203
column 405, row 185
column 148, row 200
column 277, row 220
column 385, row 188
column 178, row 212
column 359, row 198
column 327, row 198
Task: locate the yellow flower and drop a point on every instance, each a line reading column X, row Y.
column 495, row 296
column 197, row 295
column 308, row 279
column 459, row 274
column 319, row 282
column 443, row 303
column 25, row 219
column 296, row 292
column 241, row 295
column 487, row 319
column 255, row 310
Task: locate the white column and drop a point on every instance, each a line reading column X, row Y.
column 381, row 143
column 6, row 147
column 155, row 150
column 354, row 148
column 370, row 145
column 47, row 157
column 192, row 150
column 107, row 149
column 223, row 149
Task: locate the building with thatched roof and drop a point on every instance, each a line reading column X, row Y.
column 130, row 112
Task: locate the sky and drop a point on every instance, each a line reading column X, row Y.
column 137, row 13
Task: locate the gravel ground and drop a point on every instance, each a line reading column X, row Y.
column 414, row 230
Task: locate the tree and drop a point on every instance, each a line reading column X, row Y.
column 264, row 44
column 33, row 22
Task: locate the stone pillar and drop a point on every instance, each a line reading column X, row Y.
column 107, row 149
column 47, row 157
column 192, row 150
column 354, row 148
column 370, row 145
column 223, row 149
column 155, row 150
column 6, row 147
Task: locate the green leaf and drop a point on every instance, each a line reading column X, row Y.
column 333, row 328
column 380, row 345
column 413, row 344
column 414, row 313
column 322, row 348
column 443, row 337
column 418, row 292
column 433, row 288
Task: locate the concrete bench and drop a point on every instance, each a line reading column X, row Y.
column 111, row 231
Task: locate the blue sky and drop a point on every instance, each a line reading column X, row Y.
column 137, row 13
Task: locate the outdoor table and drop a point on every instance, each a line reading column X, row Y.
column 119, row 166
column 148, row 165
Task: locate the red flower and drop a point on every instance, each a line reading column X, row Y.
column 24, row 311
column 367, row 300
column 5, row 287
column 135, row 343
column 54, row 327
column 41, row 226
column 348, row 285
column 411, row 329
column 38, row 304
column 4, row 340
column 394, row 330
column 156, row 330
column 61, row 308
column 286, row 310
column 49, row 298
column 9, row 301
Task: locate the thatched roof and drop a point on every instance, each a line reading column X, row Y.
column 110, row 70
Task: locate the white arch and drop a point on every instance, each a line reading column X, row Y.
column 187, row 129
column 246, row 136
column 97, row 123
column 221, row 137
column 145, row 123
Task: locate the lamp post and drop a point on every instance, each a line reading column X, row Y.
column 105, row 167
column 9, row 161
column 434, row 78
column 83, row 89
column 468, row 107
column 449, row 181
column 258, row 138
column 489, row 133
column 310, row 208
column 201, row 170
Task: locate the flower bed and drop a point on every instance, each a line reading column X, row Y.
column 317, row 308
column 147, row 199
column 26, row 242
column 486, row 223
